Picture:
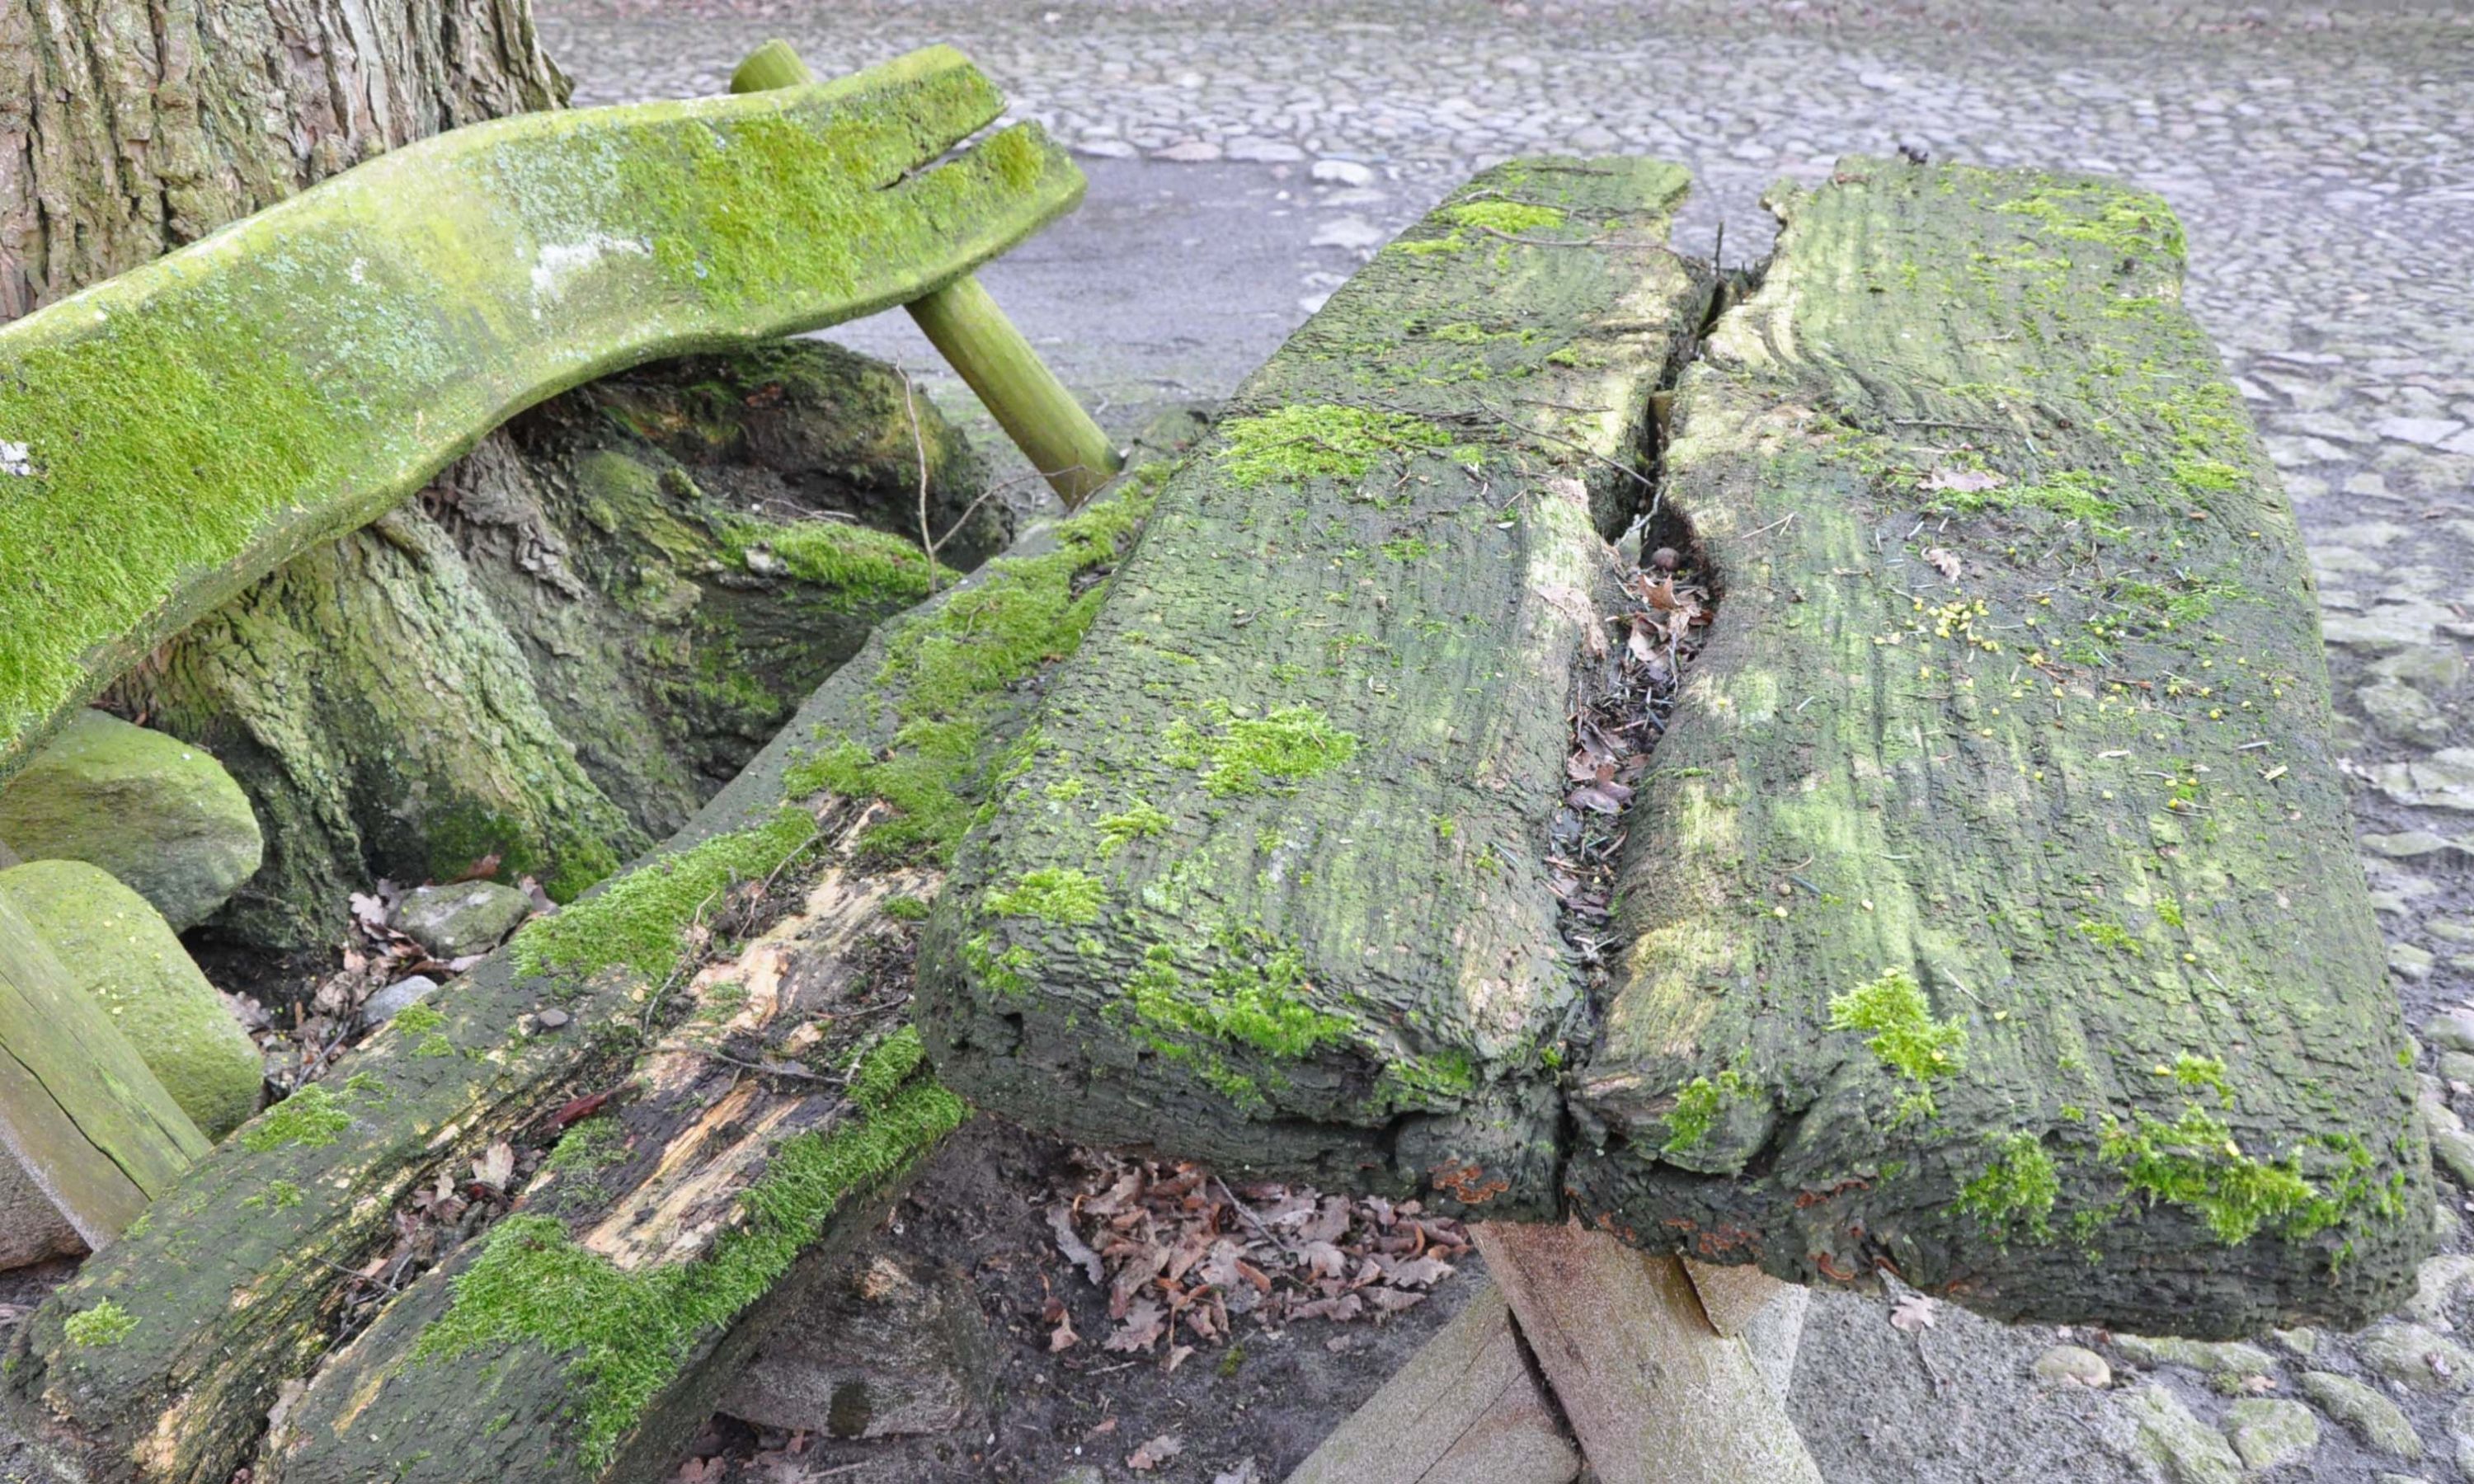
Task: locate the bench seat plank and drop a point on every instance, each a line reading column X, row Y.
column 1993, row 914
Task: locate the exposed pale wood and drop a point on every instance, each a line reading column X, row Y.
column 1467, row 1410
column 1731, row 1298
column 84, row 1121
column 1655, row 1396
column 1387, row 551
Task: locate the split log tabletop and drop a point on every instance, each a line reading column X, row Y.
column 1988, row 912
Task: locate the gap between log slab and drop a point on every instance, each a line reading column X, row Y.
column 1641, row 1360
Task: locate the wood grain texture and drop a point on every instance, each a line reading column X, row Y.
column 1268, row 888
column 1994, row 912
column 1466, row 1409
column 1655, row 1394
column 81, row 1115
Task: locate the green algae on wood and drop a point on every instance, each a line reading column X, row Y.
column 2053, row 798
column 1353, row 614
column 191, row 423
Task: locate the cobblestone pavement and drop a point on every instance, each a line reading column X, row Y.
column 1245, row 155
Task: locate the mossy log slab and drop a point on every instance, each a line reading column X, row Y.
column 85, row 1127
column 1993, row 906
column 175, row 433
column 1267, row 886
column 231, row 1293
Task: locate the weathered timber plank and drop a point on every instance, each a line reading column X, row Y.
column 1993, row 905
column 1467, row 1410
column 236, row 1283
column 1732, row 1298
column 81, row 1117
column 181, row 430
column 1267, row 887
column 1655, row 1396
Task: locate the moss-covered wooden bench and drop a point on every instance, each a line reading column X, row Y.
column 1985, row 913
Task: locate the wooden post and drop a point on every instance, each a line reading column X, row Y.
column 977, row 341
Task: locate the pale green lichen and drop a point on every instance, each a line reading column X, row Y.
column 1903, row 1034
column 1052, row 894
column 1514, row 217
column 624, row 1335
column 2015, row 1192
column 1320, row 442
column 1242, row 754
column 105, row 1324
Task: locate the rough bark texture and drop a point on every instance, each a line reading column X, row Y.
column 127, row 129
column 1993, row 904
column 238, row 1279
column 1267, row 889
column 188, row 425
column 581, row 630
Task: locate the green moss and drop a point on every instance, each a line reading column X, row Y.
column 623, row 1335
column 2109, row 935
column 1064, row 790
column 311, row 1117
column 2016, row 1191
column 946, row 675
column 1139, row 823
column 2129, row 222
column 105, row 1324
column 282, row 1194
column 1903, row 1034
column 885, row 1067
column 2194, row 1163
column 1697, row 1107
column 1408, row 548
column 640, row 921
column 589, row 1145
column 1252, row 996
column 422, row 1024
column 1441, row 1080
column 906, row 909
column 2202, row 1072
column 863, row 567
column 1320, row 442
column 1242, row 754
column 1053, row 894
column 1504, row 216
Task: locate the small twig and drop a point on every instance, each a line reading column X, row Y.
column 1252, row 1220
column 919, row 446
column 762, row 1068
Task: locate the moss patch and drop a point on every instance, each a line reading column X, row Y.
column 1240, row 754
column 946, row 675
column 624, row 1335
column 311, row 1117
column 2015, row 1193
column 1697, row 1107
column 1904, row 1034
column 1051, row 895
column 1320, row 442
column 1139, row 823
column 105, row 1324
column 864, row 567
column 640, row 921
column 1252, row 996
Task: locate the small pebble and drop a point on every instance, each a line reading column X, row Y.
column 551, row 1019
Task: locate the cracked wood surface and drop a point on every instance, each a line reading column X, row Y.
column 1993, row 911
column 176, row 432
column 1267, row 889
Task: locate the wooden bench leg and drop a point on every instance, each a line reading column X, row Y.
column 1656, row 1394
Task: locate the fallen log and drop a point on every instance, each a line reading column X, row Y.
column 1267, row 887
column 1993, row 913
column 173, row 434
column 235, row 1291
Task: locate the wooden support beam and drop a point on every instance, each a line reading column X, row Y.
column 1655, row 1394
column 1467, row 1410
column 965, row 325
